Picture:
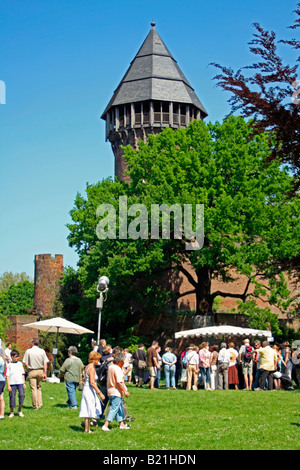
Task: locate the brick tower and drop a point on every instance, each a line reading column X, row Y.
column 153, row 94
column 47, row 274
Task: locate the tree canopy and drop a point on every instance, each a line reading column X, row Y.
column 17, row 299
column 9, row 278
column 249, row 221
column 269, row 91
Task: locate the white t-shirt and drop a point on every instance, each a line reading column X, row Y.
column 192, row 358
column 7, row 353
column 127, row 360
column 35, row 357
column 15, row 372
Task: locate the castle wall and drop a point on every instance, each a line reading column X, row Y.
column 19, row 336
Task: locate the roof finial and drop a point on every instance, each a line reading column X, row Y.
column 153, row 24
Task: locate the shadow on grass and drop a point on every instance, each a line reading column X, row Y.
column 77, row 429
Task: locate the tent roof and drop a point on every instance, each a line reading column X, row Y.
column 222, row 330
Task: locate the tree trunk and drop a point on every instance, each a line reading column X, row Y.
column 204, row 299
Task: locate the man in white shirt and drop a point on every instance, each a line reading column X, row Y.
column 35, row 361
column 223, row 364
column 192, row 367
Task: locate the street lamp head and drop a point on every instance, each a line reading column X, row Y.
column 103, row 284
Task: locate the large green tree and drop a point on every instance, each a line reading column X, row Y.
column 17, row 299
column 249, row 221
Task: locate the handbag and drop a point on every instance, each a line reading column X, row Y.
column 141, row 364
column 80, row 386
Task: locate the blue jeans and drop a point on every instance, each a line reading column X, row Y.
column 287, row 370
column 205, row 375
column 170, row 375
column 116, row 410
column 157, row 378
column 256, row 380
column 71, row 391
column 12, row 395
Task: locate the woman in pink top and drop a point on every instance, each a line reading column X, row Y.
column 204, row 364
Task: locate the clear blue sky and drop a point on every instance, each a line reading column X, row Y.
column 61, row 61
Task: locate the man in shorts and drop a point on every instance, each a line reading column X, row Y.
column 115, row 390
column 152, row 363
column 246, row 359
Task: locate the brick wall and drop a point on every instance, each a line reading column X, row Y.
column 19, row 336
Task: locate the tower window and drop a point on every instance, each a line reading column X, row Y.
column 146, row 112
column 165, row 113
column 157, row 113
column 137, row 110
column 175, row 113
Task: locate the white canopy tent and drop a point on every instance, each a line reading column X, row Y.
column 57, row 325
column 223, row 330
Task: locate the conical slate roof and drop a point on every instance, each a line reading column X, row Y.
column 154, row 75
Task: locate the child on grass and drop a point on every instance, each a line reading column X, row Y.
column 15, row 377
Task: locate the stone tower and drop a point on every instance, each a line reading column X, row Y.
column 153, row 94
column 48, row 271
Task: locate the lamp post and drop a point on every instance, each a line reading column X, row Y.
column 102, row 288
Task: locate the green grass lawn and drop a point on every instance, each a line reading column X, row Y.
column 165, row 420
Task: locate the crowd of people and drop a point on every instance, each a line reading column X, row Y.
column 104, row 379
column 212, row 367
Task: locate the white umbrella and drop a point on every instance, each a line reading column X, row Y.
column 223, row 330
column 53, row 325
column 58, row 325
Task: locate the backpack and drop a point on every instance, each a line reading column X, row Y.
column 101, row 371
column 248, row 353
column 286, row 382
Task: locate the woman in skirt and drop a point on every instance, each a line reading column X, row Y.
column 90, row 407
column 233, row 376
